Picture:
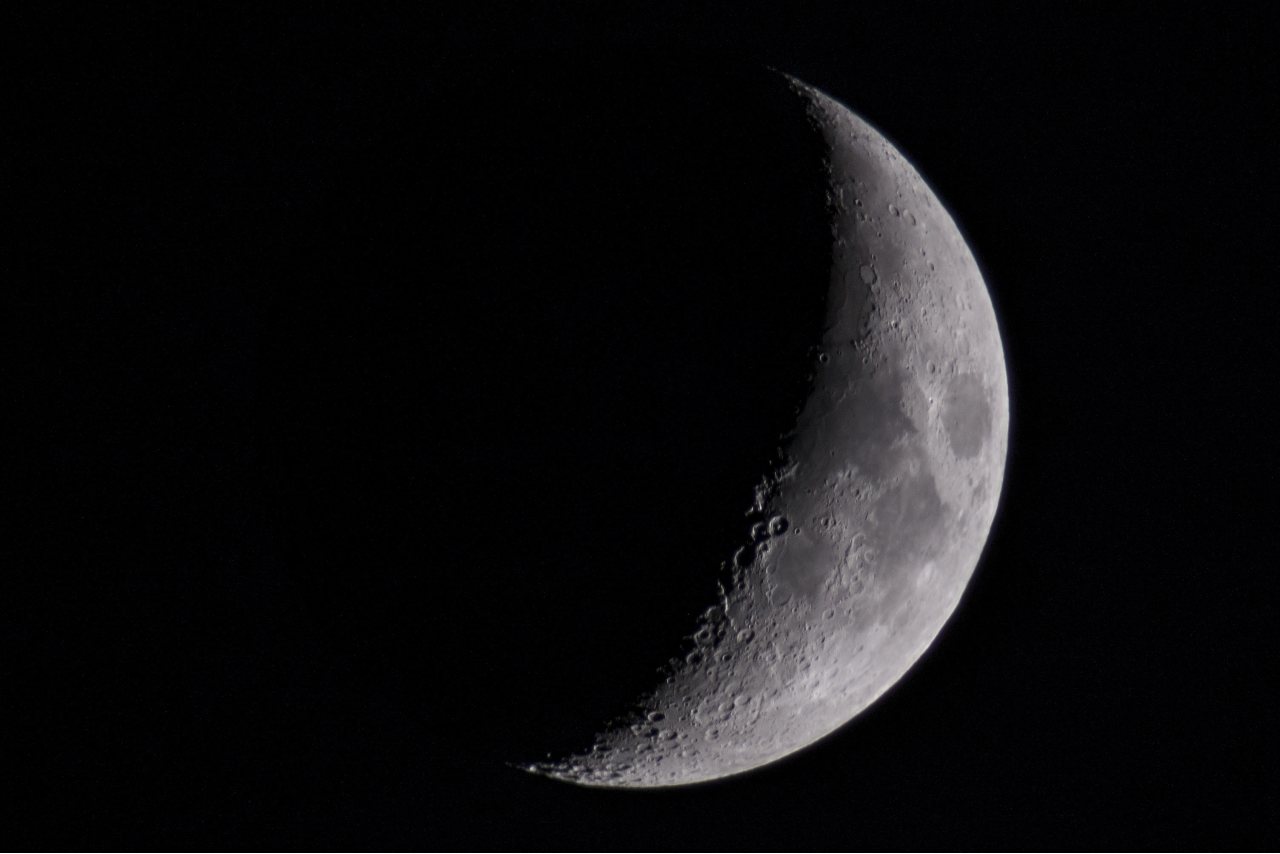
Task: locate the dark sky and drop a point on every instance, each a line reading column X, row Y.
column 385, row 384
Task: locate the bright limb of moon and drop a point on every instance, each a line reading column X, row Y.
column 863, row 539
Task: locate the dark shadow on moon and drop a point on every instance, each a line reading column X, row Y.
column 555, row 356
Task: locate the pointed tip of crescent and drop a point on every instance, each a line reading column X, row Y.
column 563, row 772
column 797, row 85
column 823, row 110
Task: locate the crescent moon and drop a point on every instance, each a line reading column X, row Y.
column 862, row 540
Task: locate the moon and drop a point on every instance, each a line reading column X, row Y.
column 859, row 543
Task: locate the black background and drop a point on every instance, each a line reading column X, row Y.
column 388, row 388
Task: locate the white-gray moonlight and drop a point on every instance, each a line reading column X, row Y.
column 874, row 521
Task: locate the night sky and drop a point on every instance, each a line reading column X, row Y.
column 389, row 387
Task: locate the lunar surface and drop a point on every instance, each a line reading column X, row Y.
column 859, row 544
